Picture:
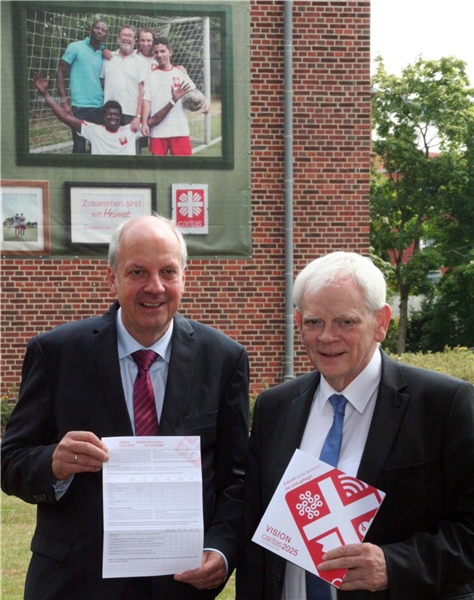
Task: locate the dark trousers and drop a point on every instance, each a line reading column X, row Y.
column 93, row 115
column 137, row 588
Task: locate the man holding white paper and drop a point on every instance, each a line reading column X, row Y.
column 408, row 432
column 78, row 387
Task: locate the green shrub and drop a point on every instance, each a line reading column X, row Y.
column 253, row 399
column 8, row 404
column 458, row 362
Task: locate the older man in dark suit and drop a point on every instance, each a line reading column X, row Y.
column 406, row 431
column 77, row 387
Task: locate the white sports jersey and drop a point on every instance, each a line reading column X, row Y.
column 158, row 91
column 149, row 59
column 104, row 141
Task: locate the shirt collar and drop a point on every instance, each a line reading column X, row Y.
column 359, row 391
column 117, row 53
column 88, row 43
column 127, row 344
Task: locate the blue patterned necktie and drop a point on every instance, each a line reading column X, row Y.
column 317, row 588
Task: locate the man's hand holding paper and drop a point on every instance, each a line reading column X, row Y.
column 211, row 574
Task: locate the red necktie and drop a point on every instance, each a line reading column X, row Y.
column 144, row 407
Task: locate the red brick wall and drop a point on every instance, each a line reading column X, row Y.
column 245, row 298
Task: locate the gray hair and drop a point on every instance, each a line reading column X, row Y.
column 338, row 266
column 117, row 234
column 128, row 27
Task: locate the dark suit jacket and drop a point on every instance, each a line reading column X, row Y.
column 71, row 381
column 419, row 450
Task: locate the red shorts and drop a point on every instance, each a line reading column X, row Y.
column 177, row 146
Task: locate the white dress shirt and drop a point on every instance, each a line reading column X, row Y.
column 361, row 394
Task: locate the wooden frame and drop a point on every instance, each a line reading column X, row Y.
column 26, row 63
column 29, row 234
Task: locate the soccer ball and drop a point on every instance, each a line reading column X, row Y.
column 193, row 100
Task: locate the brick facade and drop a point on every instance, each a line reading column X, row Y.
column 245, row 298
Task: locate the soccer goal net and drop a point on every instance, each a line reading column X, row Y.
column 49, row 34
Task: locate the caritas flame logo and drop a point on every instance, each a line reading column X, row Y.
column 190, row 208
column 330, row 511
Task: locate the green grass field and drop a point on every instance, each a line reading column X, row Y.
column 18, row 521
column 31, row 235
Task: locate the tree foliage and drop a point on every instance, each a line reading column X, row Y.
column 454, row 228
column 422, row 122
column 447, row 318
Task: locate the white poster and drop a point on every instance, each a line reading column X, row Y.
column 96, row 211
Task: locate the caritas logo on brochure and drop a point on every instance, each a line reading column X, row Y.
column 317, row 508
column 331, row 511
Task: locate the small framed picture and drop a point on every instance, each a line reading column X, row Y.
column 97, row 209
column 24, row 206
column 190, row 207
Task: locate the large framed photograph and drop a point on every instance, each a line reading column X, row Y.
column 24, row 206
column 97, row 209
column 76, row 52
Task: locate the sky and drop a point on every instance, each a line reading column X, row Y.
column 403, row 29
column 26, row 203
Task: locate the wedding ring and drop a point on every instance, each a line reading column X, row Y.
column 75, row 458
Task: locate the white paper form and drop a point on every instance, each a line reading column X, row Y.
column 152, row 494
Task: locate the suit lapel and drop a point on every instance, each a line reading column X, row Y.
column 294, row 425
column 182, row 362
column 386, row 421
column 105, row 355
column 289, row 433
